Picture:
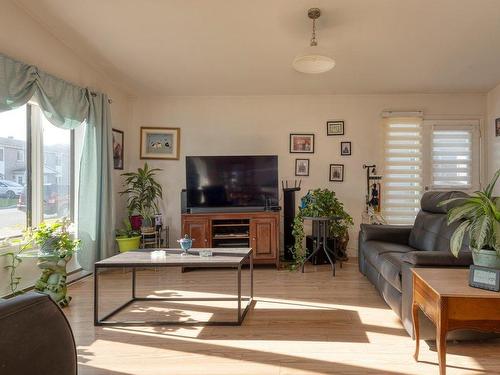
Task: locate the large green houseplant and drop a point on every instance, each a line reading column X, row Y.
column 480, row 221
column 143, row 193
column 320, row 203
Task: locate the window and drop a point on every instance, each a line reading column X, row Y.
column 453, row 155
column 13, row 136
column 426, row 155
column 403, row 170
column 37, row 169
column 1, row 154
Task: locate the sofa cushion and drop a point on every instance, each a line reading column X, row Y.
column 390, row 268
column 376, row 248
column 431, row 231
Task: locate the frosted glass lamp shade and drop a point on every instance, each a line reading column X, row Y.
column 313, row 64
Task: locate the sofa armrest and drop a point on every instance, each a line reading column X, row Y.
column 438, row 258
column 399, row 234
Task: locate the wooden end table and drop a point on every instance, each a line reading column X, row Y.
column 445, row 297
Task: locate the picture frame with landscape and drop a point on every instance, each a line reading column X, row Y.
column 160, row 143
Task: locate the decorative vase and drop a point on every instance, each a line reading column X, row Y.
column 186, row 244
column 486, row 258
column 128, row 243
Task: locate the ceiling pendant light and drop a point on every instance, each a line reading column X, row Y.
column 312, row 62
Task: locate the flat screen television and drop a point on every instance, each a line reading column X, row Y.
column 224, row 182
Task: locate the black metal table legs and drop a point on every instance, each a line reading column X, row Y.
column 241, row 312
column 320, row 233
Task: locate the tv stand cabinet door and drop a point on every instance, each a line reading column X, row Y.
column 198, row 228
column 263, row 238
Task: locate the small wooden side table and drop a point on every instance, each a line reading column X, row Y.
column 445, row 297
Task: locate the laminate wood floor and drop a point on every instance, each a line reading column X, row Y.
column 306, row 323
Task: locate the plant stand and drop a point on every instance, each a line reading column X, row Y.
column 321, row 229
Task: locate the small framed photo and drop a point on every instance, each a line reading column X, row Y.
column 497, row 127
column 301, row 167
column 160, row 143
column 118, row 143
column 335, row 127
column 301, row 143
column 345, row 148
column 337, row 172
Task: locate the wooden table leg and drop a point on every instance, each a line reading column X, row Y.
column 441, row 332
column 416, row 330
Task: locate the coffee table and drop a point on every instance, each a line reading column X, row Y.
column 233, row 258
column 446, row 298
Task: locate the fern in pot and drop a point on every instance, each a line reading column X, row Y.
column 480, row 221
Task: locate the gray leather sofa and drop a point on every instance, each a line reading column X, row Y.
column 35, row 337
column 387, row 253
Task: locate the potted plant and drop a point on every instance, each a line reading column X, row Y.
column 320, row 203
column 143, row 193
column 53, row 245
column 127, row 238
column 480, row 221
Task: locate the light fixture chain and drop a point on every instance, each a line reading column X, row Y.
column 314, row 42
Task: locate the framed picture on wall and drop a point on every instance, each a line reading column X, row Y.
column 160, row 143
column 301, row 167
column 118, row 150
column 345, row 148
column 301, row 143
column 335, row 127
column 337, row 172
column 497, row 127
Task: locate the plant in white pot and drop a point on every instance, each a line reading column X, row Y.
column 143, row 193
column 480, row 221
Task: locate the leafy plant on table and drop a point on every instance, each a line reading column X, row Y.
column 319, row 203
column 481, row 220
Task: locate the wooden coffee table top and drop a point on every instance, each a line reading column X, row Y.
column 139, row 258
column 451, row 282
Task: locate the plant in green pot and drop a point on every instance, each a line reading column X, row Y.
column 127, row 238
column 479, row 217
column 143, row 193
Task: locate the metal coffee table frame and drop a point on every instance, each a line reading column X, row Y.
column 104, row 321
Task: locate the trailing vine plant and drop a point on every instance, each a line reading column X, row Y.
column 318, row 203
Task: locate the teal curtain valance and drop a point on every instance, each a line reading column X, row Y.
column 64, row 104
column 68, row 106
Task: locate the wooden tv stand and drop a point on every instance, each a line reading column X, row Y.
column 258, row 230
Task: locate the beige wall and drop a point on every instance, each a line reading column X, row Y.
column 262, row 124
column 493, row 142
column 24, row 39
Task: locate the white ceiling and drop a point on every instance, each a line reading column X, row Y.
column 245, row 47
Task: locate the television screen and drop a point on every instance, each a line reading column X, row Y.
column 231, row 181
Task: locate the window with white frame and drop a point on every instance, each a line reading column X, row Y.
column 427, row 155
column 34, row 187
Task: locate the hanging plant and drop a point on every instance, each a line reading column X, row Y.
column 319, row 203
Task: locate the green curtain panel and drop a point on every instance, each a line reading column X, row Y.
column 95, row 205
column 68, row 106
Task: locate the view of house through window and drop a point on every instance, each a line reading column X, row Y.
column 13, row 171
column 56, row 171
column 46, row 176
